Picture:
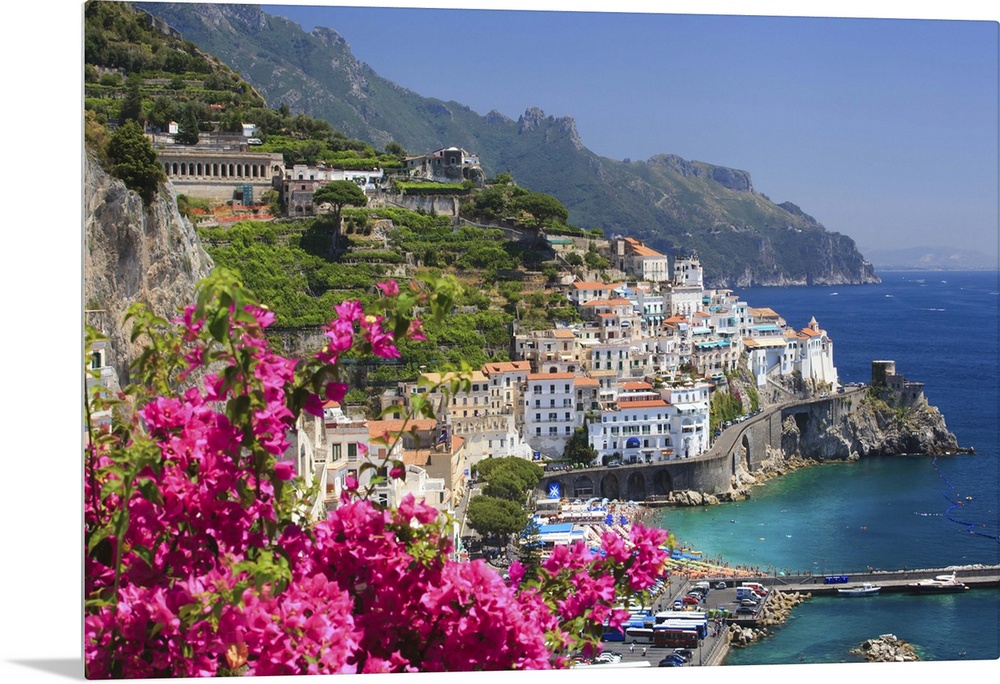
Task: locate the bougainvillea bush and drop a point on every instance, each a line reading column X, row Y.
column 201, row 558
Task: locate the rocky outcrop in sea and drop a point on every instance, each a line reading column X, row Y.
column 887, row 648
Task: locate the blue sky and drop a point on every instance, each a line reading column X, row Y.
column 882, row 129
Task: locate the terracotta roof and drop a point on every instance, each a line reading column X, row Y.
column 809, row 332
column 475, row 376
column 636, row 385
column 644, row 251
column 586, row 382
column 377, row 427
column 592, row 286
column 551, row 376
column 642, row 403
column 563, row 332
column 331, row 404
column 417, row 457
column 506, row 367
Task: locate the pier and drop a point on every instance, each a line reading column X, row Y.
column 890, row 581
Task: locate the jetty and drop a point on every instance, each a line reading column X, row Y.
column 978, row 577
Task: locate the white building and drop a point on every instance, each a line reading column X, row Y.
column 582, row 292
column 640, row 261
column 689, row 418
column 810, row 353
column 550, row 413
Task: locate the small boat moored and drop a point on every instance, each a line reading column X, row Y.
column 866, row 589
column 942, row 584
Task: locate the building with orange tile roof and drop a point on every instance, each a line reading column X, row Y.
column 636, row 259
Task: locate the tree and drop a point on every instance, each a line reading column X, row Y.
column 530, row 552
column 134, row 161
column 187, row 133
column 493, row 517
column 395, row 149
column 578, row 449
column 526, row 472
column 542, row 207
column 339, row 194
column 132, row 103
column 162, row 112
column 505, row 485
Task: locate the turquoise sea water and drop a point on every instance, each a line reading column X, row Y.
column 910, row 512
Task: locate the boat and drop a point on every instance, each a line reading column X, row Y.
column 942, row 584
column 866, row 589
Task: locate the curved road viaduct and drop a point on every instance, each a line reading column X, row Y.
column 712, row 471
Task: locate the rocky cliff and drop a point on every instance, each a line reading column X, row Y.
column 134, row 253
column 878, row 426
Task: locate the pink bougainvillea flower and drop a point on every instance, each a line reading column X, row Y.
column 284, row 470
column 335, row 391
column 416, row 331
column 389, row 288
column 313, row 406
column 349, row 311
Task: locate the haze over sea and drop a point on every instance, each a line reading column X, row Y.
column 941, row 328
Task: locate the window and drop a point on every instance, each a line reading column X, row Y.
column 352, row 451
column 334, row 452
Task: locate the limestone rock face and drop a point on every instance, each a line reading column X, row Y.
column 876, row 429
column 133, row 253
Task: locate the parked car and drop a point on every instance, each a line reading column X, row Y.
column 685, row 653
column 690, row 600
column 672, row 658
column 720, row 585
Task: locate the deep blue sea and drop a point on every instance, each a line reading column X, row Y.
column 942, row 328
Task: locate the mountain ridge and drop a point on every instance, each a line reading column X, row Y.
column 673, row 205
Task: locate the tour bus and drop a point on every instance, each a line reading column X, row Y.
column 676, row 638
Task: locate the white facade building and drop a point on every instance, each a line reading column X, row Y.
column 550, row 413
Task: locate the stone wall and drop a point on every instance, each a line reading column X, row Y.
column 438, row 205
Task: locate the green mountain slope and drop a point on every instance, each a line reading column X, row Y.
column 672, row 204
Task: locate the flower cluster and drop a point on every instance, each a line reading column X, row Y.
column 196, row 564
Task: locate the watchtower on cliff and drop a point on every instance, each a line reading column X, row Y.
column 907, row 393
